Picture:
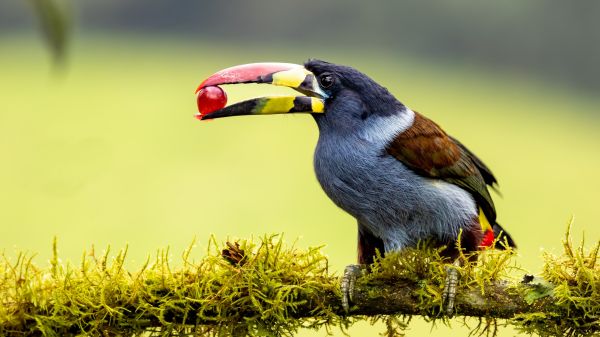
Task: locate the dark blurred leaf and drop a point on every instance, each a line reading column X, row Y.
column 55, row 26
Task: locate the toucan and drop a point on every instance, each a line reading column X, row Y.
column 402, row 177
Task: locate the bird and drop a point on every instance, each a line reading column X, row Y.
column 397, row 172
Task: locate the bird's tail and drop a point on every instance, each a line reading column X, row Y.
column 504, row 240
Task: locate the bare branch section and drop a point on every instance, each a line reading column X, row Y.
column 269, row 289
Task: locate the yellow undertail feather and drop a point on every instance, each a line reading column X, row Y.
column 483, row 221
column 488, row 232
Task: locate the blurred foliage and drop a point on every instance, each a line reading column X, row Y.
column 54, row 24
column 555, row 40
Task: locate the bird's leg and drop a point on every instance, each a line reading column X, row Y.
column 449, row 293
column 369, row 247
column 351, row 273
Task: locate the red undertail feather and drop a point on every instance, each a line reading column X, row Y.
column 488, row 238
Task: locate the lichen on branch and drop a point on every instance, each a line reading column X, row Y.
column 267, row 288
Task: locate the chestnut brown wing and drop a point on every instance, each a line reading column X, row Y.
column 430, row 152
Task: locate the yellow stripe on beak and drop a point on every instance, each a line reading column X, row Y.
column 290, row 78
column 274, row 105
column 318, row 105
column 288, row 104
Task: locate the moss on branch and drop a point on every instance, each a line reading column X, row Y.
column 267, row 288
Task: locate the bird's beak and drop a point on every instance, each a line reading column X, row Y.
column 282, row 74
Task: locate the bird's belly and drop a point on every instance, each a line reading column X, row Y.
column 389, row 199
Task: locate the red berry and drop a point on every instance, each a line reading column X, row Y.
column 210, row 99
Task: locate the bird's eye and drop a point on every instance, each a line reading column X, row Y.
column 326, row 80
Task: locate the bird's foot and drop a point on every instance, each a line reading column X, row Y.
column 351, row 273
column 449, row 293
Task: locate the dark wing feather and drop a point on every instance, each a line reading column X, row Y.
column 430, row 152
column 485, row 171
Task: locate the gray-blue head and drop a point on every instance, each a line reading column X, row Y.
column 353, row 97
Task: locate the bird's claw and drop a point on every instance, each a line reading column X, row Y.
column 351, row 273
column 449, row 293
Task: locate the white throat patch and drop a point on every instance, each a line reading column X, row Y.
column 382, row 130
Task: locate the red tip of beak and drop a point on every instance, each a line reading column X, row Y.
column 252, row 72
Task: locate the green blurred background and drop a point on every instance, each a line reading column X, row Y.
column 103, row 149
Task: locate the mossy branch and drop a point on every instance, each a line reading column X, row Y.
column 265, row 288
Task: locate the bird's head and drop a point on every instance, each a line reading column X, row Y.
column 336, row 95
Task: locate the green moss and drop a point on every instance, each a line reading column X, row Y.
column 427, row 269
column 267, row 289
column 572, row 282
column 213, row 296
